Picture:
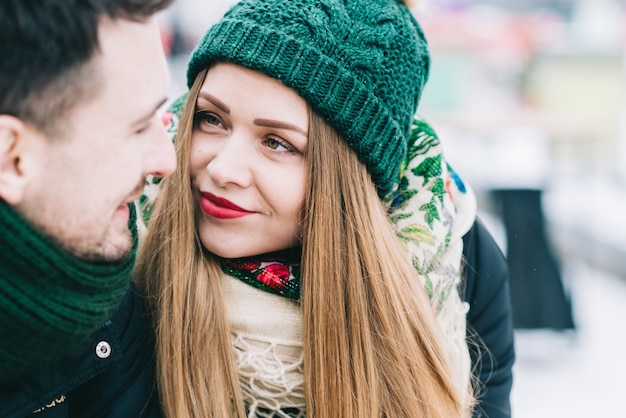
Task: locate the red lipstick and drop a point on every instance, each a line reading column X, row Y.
column 221, row 208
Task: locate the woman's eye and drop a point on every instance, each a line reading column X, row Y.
column 206, row 118
column 273, row 143
column 278, row 145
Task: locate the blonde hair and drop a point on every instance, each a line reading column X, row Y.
column 195, row 372
column 372, row 347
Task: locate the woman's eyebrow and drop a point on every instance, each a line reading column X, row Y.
column 279, row 124
column 215, row 101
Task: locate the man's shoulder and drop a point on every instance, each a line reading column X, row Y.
column 95, row 374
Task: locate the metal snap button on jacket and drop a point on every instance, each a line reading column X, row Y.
column 103, row 349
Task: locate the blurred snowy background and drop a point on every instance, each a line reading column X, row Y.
column 528, row 95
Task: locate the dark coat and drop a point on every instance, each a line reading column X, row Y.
column 119, row 382
column 110, row 375
column 489, row 322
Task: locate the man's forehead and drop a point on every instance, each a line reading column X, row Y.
column 133, row 68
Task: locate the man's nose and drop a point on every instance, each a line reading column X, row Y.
column 160, row 157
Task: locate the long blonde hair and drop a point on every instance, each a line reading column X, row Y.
column 372, row 347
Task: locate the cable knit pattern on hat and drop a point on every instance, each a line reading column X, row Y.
column 362, row 65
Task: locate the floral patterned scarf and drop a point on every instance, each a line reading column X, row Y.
column 277, row 273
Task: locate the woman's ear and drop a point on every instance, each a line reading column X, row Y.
column 12, row 179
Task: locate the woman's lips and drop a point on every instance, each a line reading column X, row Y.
column 221, row 208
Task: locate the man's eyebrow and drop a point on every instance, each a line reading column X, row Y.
column 148, row 115
column 279, row 125
column 215, row 101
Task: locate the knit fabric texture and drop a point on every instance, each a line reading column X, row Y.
column 50, row 301
column 361, row 65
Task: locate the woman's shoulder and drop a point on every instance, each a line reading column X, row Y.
column 489, row 321
column 485, row 271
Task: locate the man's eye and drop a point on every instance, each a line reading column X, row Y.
column 142, row 129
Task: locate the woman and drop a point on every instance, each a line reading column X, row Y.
column 287, row 258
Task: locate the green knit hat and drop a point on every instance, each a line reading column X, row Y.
column 361, row 64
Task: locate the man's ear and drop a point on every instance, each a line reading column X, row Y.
column 12, row 179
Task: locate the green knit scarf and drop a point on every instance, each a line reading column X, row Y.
column 50, row 301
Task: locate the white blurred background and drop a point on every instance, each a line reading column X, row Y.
column 528, row 95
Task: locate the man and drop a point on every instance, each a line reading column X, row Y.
column 80, row 85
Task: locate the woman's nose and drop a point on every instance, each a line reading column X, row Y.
column 231, row 162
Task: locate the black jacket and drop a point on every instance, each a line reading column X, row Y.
column 489, row 322
column 119, row 381
column 110, row 375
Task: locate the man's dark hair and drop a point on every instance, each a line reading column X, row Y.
column 45, row 49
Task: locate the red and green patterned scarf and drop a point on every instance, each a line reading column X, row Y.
column 278, row 273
